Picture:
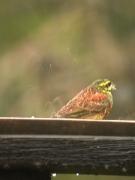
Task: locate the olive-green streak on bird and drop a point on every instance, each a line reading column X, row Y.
column 93, row 102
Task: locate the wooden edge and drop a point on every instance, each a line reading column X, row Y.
column 61, row 126
column 66, row 119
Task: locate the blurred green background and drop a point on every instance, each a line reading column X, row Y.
column 90, row 177
column 51, row 49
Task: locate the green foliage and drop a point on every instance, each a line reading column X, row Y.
column 90, row 177
column 50, row 49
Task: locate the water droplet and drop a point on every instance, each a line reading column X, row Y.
column 53, row 174
column 37, row 164
column 106, row 166
column 124, row 169
column 50, row 67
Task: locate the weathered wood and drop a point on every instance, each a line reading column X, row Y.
column 67, row 146
column 24, row 174
column 68, row 154
column 14, row 125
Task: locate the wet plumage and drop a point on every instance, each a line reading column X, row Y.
column 93, row 102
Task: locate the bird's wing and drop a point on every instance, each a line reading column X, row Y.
column 77, row 114
column 98, row 103
column 92, row 109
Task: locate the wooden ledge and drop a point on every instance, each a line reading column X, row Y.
column 67, row 146
column 39, row 126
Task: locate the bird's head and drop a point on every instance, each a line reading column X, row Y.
column 104, row 85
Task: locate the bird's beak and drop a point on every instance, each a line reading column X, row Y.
column 113, row 87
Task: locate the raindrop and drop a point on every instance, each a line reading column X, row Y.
column 53, row 174
column 106, row 166
column 124, row 169
column 50, row 67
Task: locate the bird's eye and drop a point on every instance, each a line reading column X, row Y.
column 109, row 84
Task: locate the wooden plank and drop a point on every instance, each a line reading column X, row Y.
column 67, row 146
column 24, row 174
column 16, row 125
column 68, row 154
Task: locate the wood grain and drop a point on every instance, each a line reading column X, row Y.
column 14, row 125
column 51, row 145
column 68, row 154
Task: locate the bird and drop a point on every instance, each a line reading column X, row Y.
column 93, row 102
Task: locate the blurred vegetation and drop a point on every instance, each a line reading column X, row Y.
column 90, row 177
column 50, row 49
